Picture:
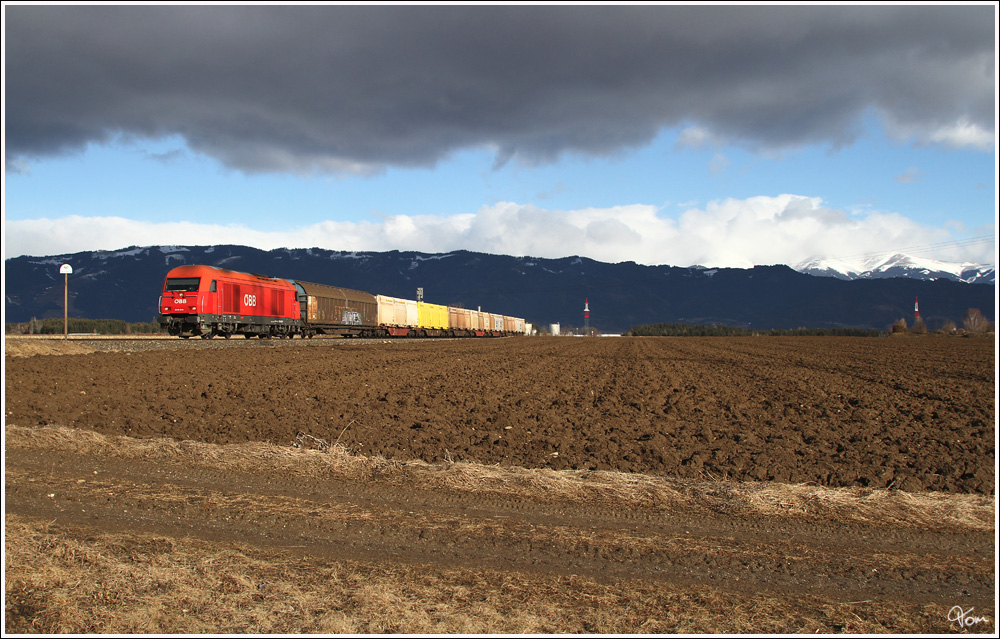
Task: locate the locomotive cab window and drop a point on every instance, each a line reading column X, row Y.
column 211, row 289
column 182, row 284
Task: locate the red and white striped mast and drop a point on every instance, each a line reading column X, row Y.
column 916, row 308
column 586, row 316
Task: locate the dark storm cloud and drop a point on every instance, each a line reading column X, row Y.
column 333, row 88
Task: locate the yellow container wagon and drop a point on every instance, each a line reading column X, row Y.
column 433, row 316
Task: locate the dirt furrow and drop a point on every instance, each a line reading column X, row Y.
column 346, row 520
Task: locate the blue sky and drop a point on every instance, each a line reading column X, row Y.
column 545, row 157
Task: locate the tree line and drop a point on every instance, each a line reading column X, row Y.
column 677, row 329
column 54, row 326
column 973, row 323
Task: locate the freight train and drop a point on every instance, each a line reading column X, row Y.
column 207, row 301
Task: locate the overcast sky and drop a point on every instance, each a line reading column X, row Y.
column 718, row 135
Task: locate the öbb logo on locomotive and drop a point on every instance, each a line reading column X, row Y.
column 207, row 301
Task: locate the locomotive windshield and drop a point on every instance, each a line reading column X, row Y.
column 182, row 284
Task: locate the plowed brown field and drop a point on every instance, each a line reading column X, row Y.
column 720, row 469
column 915, row 414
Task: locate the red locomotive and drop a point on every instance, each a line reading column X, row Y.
column 208, row 301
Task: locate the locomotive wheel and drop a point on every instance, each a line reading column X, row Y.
column 207, row 335
column 227, row 335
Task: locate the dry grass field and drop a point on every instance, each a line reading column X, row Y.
column 315, row 487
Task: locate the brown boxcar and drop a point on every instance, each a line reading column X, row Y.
column 335, row 311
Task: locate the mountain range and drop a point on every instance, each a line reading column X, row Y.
column 126, row 285
column 892, row 265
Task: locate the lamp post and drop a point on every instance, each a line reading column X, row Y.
column 65, row 269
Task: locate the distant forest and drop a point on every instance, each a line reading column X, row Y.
column 700, row 330
column 54, row 326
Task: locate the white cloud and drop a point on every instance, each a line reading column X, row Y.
column 961, row 133
column 910, row 176
column 786, row 229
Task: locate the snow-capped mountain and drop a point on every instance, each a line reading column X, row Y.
column 898, row 265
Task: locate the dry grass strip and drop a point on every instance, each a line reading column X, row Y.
column 73, row 580
column 926, row 510
column 27, row 347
